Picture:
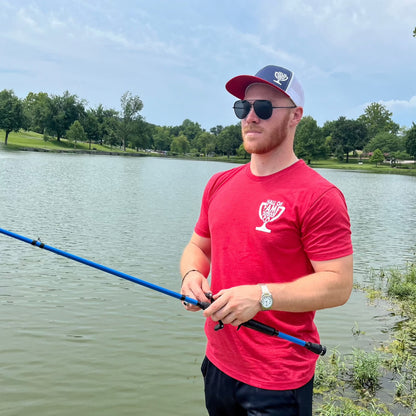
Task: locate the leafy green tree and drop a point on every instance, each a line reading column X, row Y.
column 162, row 138
column 36, row 109
column 414, row 32
column 411, row 141
column 76, row 133
column 110, row 128
column 396, row 157
column 91, row 126
column 130, row 107
column 98, row 122
column 174, row 130
column 377, row 157
column 180, row 145
column 349, row 134
column 386, row 142
column 229, row 140
column 241, row 152
column 378, row 119
column 216, row 130
column 11, row 113
column 141, row 134
column 205, row 142
column 326, row 131
column 64, row 110
column 309, row 141
column 339, row 153
column 190, row 130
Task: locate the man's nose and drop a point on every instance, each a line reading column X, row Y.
column 252, row 117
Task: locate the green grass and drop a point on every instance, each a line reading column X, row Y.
column 29, row 140
column 381, row 381
column 365, row 166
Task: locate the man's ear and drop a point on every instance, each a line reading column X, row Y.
column 297, row 115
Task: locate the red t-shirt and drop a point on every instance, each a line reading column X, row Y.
column 264, row 230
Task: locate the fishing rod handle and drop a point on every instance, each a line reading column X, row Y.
column 316, row 348
column 260, row 327
column 268, row 330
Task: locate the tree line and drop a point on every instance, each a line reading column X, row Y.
column 67, row 116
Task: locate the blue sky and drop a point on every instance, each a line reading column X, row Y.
column 177, row 55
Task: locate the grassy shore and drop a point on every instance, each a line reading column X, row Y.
column 382, row 381
column 30, row 141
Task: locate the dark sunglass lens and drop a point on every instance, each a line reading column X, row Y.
column 263, row 109
column 241, row 108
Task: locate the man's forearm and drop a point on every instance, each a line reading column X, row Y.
column 196, row 257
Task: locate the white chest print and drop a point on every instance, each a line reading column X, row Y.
column 269, row 211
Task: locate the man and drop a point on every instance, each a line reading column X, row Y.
column 275, row 237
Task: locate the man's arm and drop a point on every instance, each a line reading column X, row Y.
column 330, row 285
column 195, row 267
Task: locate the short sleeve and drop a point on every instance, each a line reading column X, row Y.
column 326, row 229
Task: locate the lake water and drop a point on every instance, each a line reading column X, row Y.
column 75, row 340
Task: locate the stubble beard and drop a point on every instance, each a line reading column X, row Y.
column 269, row 141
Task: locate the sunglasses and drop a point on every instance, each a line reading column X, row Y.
column 263, row 108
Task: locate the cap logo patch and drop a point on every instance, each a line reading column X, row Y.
column 280, row 76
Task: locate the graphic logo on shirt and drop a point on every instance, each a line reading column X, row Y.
column 269, row 211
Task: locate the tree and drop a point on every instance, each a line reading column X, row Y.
column 91, row 126
column 64, row 110
column 229, row 140
column 130, row 107
column 141, row 137
column 377, row 157
column 110, row 128
column 241, row 152
column 11, row 113
column 349, row 135
column 76, row 133
column 411, row 141
column 326, row 131
column 162, row 138
column 216, row 130
column 205, row 142
column 309, row 140
column 414, row 32
column 180, row 144
column 190, row 130
column 378, row 119
column 37, row 110
column 386, row 142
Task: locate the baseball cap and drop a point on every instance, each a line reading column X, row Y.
column 278, row 77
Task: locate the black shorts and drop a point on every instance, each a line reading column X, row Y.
column 226, row 396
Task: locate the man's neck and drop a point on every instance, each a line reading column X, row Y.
column 269, row 163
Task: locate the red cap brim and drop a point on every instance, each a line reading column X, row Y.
column 237, row 86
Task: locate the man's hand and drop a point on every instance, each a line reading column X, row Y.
column 195, row 286
column 236, row 305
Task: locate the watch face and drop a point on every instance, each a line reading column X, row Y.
column 267, row 301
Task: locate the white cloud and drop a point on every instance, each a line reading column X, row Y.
column 400, row 104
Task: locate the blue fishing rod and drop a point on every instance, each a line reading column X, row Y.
column 253, row 324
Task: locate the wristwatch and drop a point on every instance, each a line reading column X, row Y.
column 266, row 300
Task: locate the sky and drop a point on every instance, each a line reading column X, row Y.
column 177, row 55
